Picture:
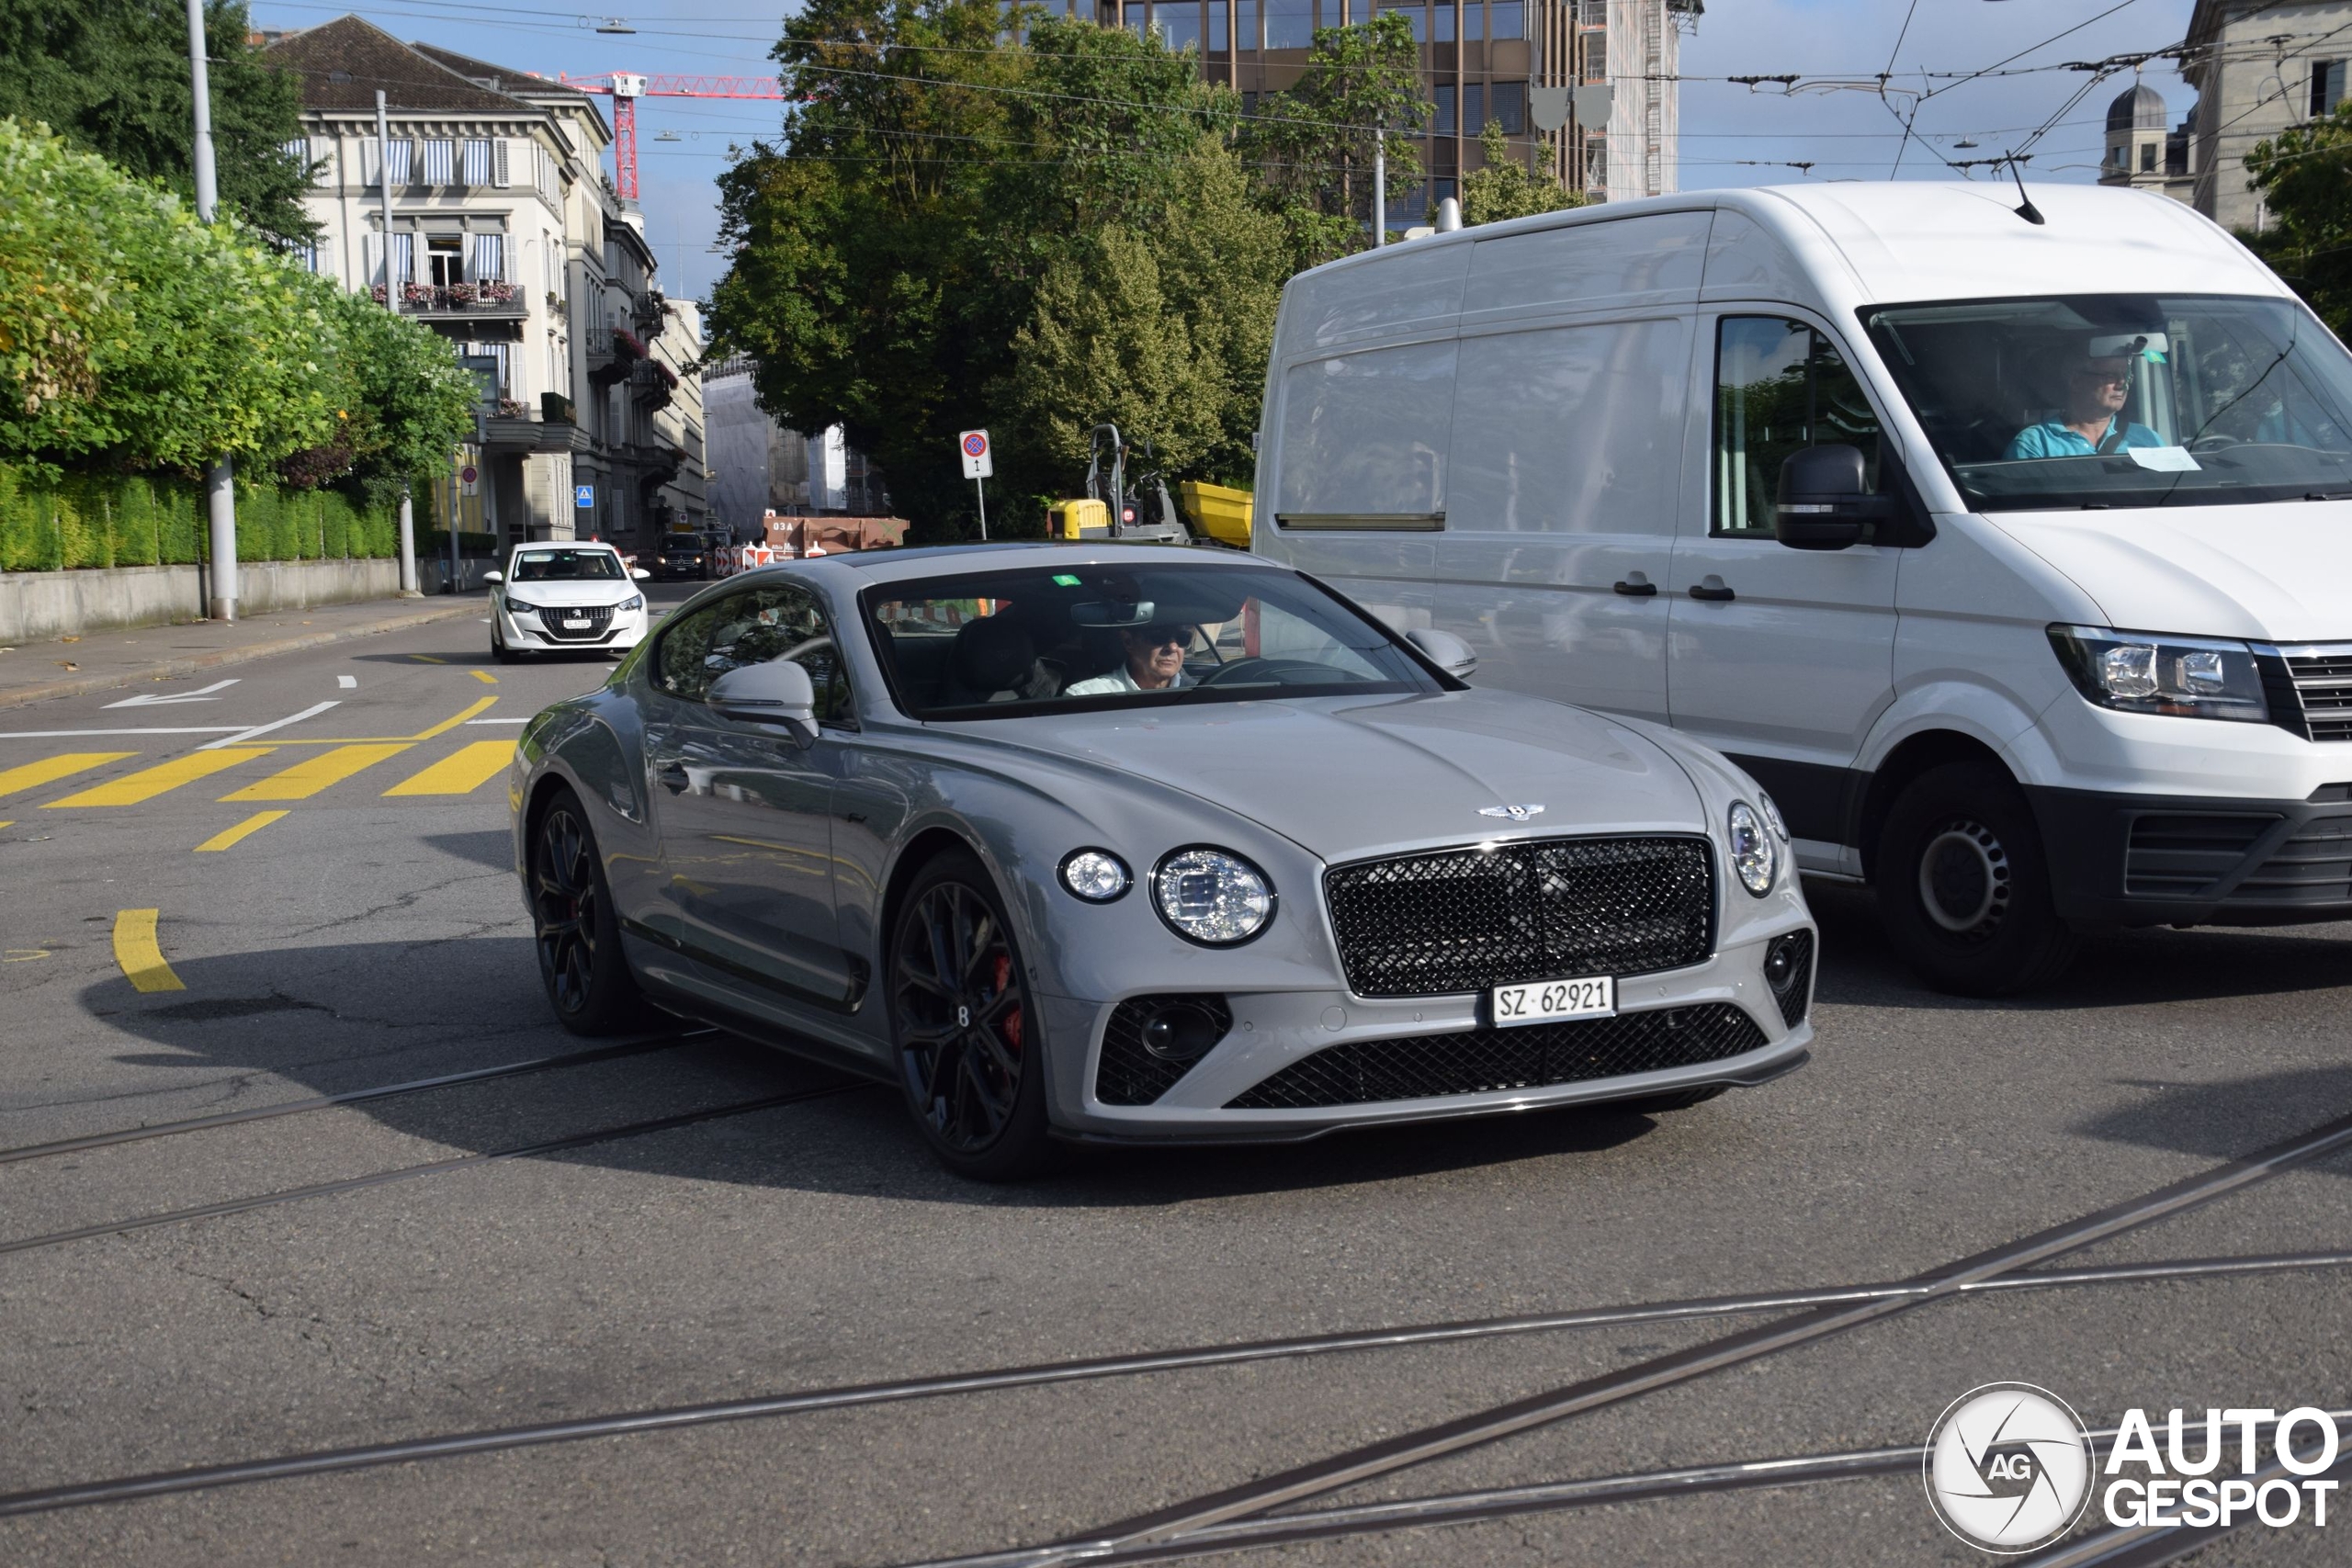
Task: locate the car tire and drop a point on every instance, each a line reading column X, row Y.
column 971, row 1052
column 1963, row 884
column 575, row 931
column 498, row 649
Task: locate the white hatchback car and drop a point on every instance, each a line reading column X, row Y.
column 562, row 596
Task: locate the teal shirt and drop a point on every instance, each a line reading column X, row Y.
column 2052, row 439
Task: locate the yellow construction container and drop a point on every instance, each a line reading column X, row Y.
column 1218, row 510
column 1078, row 519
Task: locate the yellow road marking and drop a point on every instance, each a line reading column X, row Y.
column 135, row 949
column 465, row 770
column 243, row 831
column 308, row 777
column 23, row 954
column 443, row 727
column 428, row 659
column 485, row 676
column 135, row 789
column 6, row 824
column 51, row 768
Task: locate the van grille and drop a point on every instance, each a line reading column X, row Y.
column 2180, row 856
column 2310, row 689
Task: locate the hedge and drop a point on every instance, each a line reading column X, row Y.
column 102, row 520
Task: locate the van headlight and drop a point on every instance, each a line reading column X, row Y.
column 2188, row 677
column 1754, row 855
column 1212, row 897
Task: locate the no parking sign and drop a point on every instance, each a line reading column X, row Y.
column 979, row 462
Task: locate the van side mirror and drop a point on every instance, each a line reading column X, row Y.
column 1446, row 650
column 778, row 692
column 1823, row 502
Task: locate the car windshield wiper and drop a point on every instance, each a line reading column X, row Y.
column 2328, row 495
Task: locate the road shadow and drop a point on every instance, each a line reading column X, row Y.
column 333, row 1019
column 2114, row 969
column 2225, row 1118
column 493, row 847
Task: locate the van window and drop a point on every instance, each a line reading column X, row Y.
column 1365, row 434
column 1781, row 387
column 1571, row 429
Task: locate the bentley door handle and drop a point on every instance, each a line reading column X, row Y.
column 1637, row 590
column 673, row 777
column 1713, row 591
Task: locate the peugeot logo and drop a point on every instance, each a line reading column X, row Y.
column 1516, row 813
column 963, row 1018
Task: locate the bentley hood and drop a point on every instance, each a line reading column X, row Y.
column 1346, row 778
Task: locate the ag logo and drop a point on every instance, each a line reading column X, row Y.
column 2008, row 1467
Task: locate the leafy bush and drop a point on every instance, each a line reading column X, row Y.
column 52, row 522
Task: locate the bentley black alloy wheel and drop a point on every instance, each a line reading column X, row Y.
column 574, row 928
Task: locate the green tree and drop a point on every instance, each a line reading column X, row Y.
column 111, row 76
column 1311, row 146
column 1504, row 189
column 2305, row 178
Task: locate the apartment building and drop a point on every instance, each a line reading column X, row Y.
column 506, row 238
column 2259, row 67
column 1478, row 59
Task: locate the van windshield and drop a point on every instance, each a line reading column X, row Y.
column 2124, row 400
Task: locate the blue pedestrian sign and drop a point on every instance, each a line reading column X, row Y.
column 583, row 495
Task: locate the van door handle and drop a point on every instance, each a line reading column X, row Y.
column 673, row 777
column 1637, row 590
column 1713, row 591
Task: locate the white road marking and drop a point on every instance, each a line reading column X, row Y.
column 202, row 695
column 348, row 683
column 60, row 734
column 311, row 712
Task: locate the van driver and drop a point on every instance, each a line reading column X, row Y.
column 2098, row 385
column 1155, row 662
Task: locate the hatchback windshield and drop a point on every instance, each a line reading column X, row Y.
column 2125, row 399
column 565, row 566
column 998, row 644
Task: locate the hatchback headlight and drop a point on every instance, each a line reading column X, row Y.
column 516, row 607
column 1754, row 855
column 635, row 601
column 2188, row 677
column 1212, row 897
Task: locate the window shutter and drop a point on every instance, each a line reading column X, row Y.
column 399, row 157
column 477, row 162
column 506, row 174
column 405, row 257
column 371, row 252
column 371, row 159
column 440, row 162
column 490, row 259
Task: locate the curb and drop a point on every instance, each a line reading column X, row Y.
column 190, row 664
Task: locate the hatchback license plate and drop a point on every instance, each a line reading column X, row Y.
column 1547, row 1001
column 581, row 621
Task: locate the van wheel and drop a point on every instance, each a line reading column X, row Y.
column 1964, row 886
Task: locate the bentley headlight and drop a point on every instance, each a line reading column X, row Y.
column 2188, row 677
column 1772, row 816
column 1753, row 855
column 1096, row 875
column 1212, row 897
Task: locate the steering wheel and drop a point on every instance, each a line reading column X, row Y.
column 1255, row 671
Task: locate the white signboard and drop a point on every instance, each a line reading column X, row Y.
column 979, row 462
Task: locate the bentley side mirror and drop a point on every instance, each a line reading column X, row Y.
column 1446, row 650
column 778, row 692
column 1823, row 501
column 493, row 577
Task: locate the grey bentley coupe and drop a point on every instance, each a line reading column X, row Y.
column 1132, row 843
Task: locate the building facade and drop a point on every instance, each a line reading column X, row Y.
column 1478, row 59
column 2259, row 67
column 761, row 470
column 506, row 238
column 2144, row 151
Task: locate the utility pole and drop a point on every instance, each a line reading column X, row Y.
column 393, row 303
column 221, row 479
column 1379, row 184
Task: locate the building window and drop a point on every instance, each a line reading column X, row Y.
column 444, row 259
column 395, row 153
column 490, row 259
column 1442, row 22
column 477, row 161
column 1216, row 25
column 2148, row 158
column 1509, row 106
column 440, row 162
column 1506, row 18
column 1443, row 125
column 2327, row 86
column 1474, row 108
column 1416, row 14
column 1179, row 26
column 1290, row 24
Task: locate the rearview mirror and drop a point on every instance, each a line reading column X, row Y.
column 1446, row 650
column 1823, row 501
column 778, row 692
column 493, row 577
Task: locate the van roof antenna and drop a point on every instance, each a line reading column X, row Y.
column 2025, row 207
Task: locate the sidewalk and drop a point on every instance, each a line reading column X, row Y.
column 35, row 672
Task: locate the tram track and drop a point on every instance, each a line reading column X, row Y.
column 119, row 1489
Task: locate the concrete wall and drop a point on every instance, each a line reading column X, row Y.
column 36, row 604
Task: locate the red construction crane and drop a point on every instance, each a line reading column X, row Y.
column 625, row 87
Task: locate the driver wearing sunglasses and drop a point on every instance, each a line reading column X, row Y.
column 2097, row 386
column 1155, row 662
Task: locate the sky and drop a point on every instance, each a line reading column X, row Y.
column 1732, row 135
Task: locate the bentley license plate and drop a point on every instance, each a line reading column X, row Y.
column 1547, row 1001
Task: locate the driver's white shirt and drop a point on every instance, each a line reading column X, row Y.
column 1119, row 680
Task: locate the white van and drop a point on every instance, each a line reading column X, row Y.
column 2010, row 547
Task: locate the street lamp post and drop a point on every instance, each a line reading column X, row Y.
column 221, row 479
column 393, row 303
column 1379, row 184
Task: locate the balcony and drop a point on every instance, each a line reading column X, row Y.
column 474, row 301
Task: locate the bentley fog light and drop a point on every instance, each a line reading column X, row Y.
column 1753, row 855
column 1096, row 875
column 2186, row 677
column 1211, row 896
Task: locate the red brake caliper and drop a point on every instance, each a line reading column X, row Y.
column 1004, row 983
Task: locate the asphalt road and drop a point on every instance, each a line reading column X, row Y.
column 333, row 897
